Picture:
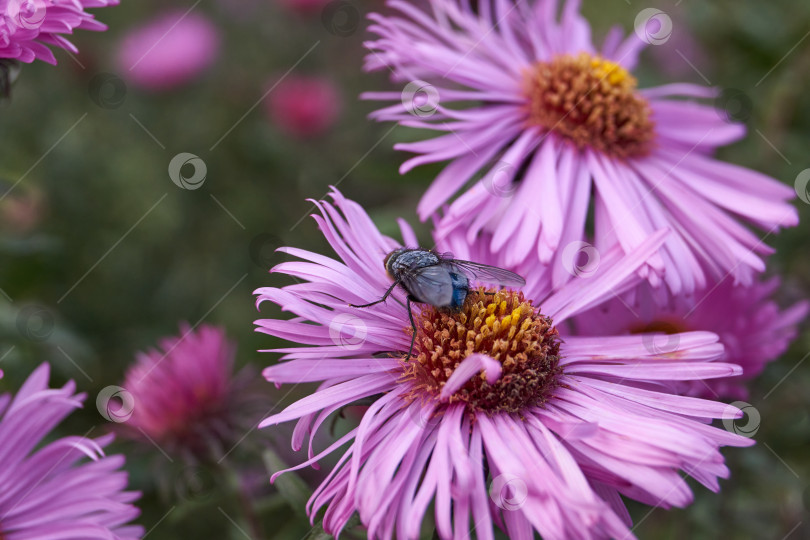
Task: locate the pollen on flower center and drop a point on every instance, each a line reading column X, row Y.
column 502, row 325
column 591, row 102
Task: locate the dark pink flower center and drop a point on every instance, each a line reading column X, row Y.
column 590, row 101
column 504, row 326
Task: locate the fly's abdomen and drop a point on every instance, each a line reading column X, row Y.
column 461, row 287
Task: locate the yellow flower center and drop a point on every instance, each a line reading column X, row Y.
column 591, row 102
column 502, row 325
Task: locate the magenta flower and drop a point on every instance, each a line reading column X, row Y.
column 48, row 490
column 168, row 51
column 29, row 27
column 493, row 407
column 183, row 397
column 751, row 326
column 304, row 106
column 528, row 104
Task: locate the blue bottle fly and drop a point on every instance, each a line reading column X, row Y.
column 438, row 279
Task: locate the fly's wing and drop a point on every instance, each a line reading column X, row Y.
column 430, row 285
column 489, row 274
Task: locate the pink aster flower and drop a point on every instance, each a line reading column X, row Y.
column 494, row 419
column 183, row 396
column 168, row 51
column 556, row 128
column 29, row 27
column 751, row 326
column 48, row 489
column 304, row 106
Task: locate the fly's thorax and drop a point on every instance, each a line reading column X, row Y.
column 404, row 259
column 502, row 325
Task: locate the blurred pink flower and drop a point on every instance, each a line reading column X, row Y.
column 169, row 50
column 304, row 106
column 563, row 428
column 185, row 395
column 28, row 27
column 48, row 491
column 752, row 328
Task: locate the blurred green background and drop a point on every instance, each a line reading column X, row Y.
column 115, row 255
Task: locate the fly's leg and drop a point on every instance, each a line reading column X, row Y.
column 385, row 296
column 413, row 326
